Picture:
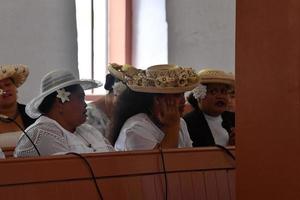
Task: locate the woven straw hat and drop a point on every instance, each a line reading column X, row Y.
column 215, row 76
column 54, row 81
column 18, row 73
column 122, row 71
column 163, row 78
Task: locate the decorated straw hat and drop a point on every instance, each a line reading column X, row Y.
column 215, row 76
column 18, row 73
column 163, row 79
column 121, row 71
column 54, row 81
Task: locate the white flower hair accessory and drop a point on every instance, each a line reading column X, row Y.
column 63, row 95
column 199, row 92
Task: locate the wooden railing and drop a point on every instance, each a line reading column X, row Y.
column 195, row 173
column 8, row 151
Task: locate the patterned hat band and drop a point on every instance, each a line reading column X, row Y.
column 164, row 77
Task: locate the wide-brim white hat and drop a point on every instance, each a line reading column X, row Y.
column 18, row 73
column 54, row 81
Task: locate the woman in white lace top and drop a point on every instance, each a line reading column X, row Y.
column 60, row 128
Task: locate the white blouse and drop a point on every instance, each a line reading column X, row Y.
column 220, row 134
column 51, row 138
column 140, row 133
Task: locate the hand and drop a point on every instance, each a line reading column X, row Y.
column 168, row 114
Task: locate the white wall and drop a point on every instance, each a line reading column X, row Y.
column 41, row 34
column 201, row 33
column 149, row 30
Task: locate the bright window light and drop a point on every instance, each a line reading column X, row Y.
column 92, row 44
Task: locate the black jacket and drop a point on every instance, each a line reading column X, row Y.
column 199, row 130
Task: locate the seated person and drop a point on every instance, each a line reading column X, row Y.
column 61, row 111
column 147, row 113
column 12, row 77
column 209, row 123
column 99, row 112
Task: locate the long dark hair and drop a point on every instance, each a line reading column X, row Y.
column 129, row 103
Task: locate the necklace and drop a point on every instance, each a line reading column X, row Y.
column 10, row 119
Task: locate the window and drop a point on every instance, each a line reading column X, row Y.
column 122, row 31
column 92, row 40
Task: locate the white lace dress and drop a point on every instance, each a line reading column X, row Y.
column 51, row 138
column 140, row 133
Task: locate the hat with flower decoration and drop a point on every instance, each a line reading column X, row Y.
column 57, row 80
column 121, row 71
column 18, row 73
column 163, row 78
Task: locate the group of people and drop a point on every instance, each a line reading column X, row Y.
column 143, row 109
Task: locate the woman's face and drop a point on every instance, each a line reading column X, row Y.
column 75, row 109
column 216, row 99
column 9, row 95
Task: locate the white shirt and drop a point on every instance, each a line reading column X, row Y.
column 140, row 133
column 51, row 138
column 219, row 133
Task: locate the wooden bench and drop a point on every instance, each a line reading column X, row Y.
column 194, row 173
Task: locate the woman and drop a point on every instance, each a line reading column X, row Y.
column 147, row 114
column 61, row 111
column 12, row 77
column 99, row 112
column 209, row 123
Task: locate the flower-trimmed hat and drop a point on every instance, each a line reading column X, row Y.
column 215, row 76
column 18, row 73
column 55, row 81
column 121, row 71
column 163, row 79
